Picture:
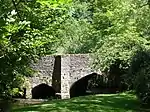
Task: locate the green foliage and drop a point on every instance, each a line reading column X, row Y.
column 73, row 29
column 54, row 3
column 114, row 30
column 118, row 48
column 22, row 40
column 119, row 38
column 140, row 75
column 122, row 28
column 121, row 31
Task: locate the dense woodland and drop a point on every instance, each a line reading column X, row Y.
column 117, row 32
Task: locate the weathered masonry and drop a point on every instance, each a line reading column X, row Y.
column 60, row 72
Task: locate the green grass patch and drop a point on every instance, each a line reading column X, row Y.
column 93, row 103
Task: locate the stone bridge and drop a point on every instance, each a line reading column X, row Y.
column 62, row 72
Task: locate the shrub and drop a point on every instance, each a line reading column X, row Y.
column 140, row 75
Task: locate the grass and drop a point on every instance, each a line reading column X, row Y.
column 94, row 103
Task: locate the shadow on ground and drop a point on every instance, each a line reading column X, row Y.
column 97, row 103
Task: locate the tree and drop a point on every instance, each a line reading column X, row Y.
column 21, row 42
column 139, row 76
column 121, row 34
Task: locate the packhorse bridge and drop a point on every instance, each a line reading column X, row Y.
column 64, row 74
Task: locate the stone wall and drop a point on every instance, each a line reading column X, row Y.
column 43, row 73
column 73, row 68
column 61, row 72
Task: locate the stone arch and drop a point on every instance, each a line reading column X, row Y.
column 43, row 91
column 79, row 87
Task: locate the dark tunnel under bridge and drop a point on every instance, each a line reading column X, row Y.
column 79, row 88
column 43, row 91
column 92, row 84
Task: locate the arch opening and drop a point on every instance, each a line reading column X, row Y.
column 43, row 91
column 92, row 84
column 80, row 87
